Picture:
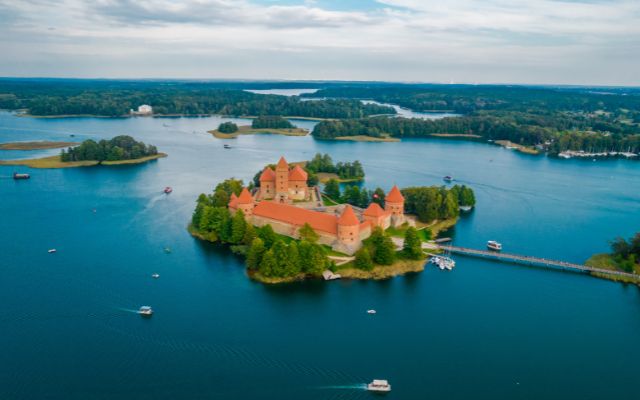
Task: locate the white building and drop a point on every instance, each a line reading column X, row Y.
column 145, row 109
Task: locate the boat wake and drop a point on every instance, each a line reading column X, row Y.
column 128, row 310
column 356, row 386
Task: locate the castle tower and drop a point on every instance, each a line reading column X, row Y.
column 298, row 183
column 394, row 204
column 282, row 180
column 245, row 203
column 267, row 184
column 349, row 227
column 376, row 216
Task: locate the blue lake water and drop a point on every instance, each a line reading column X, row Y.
column 483, row 331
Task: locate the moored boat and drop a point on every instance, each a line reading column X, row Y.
column 447, row 178
column 493, row 245
column 379, row 385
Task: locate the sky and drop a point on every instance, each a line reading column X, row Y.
column 581, row 42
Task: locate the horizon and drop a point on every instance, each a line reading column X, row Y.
column 498, row 42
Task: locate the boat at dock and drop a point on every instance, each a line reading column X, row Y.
column 328, row 275
column 493, row 245
column 379, row 385
column 21, row 176
column 443, row 262
column 145, row 311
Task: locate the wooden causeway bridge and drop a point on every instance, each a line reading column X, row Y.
column 528, row 260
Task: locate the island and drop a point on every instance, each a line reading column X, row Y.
column 263, row 124
column 120, row 150
column 287, row 232
column 624, row 256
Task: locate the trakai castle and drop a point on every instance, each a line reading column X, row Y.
column 286, row 202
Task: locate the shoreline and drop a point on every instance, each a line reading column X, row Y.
column 53, row 162
column 248, row 130
column 365, row 138
column 507, row 144
column 36, row 145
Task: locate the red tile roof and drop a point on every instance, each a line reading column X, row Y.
column 394, row 195
column 297, row 174
column 245, row 197
column 348, row 217
column 297, row 216
column 268, row 175
column 233, row 201
column 374, row 210
column 282, row 164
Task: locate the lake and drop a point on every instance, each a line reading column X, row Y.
column 482, row 331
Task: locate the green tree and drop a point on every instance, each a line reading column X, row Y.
column 268, row 264
column 267, row 235
column 363, row 259
column 307, row 233
column 254, row 256
column 227, row 127
column 384, row 250
column 378, row 197
column 313, row 259
column 412, row 247
column 238, row 227
column 292, row 260
column 332, row 190
column 280, row 253
column 249, row 235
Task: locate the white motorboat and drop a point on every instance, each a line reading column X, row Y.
column 379, row 385
column 155, row 276
column 145, row 311
column 52, row 250
column 371, row 311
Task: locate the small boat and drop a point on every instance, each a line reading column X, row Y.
column 168, row 190
column 21, row 176
column 52, row 250
column 371, row 311
column 493, row 245
column 379, row 385
column 328, row 275
column 465, row 208
column 448, row 178
column 145, row 311
column 72, row 135
column 226, row 146
column 167, row 250
column 155, row 276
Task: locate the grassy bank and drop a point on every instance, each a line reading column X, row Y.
column 518, row 147
column 364, row 138
column 399, row 267
column 437, row 226
column 41, row 145
column 55, row 162
column 248, row 130
column 324, row 177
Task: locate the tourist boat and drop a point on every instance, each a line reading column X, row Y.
column 52, row 250
column 21, row 176
column 226, row 146
column 145, row 311
column 168, row 190
column 493, row 245
column 448, row 178
column 371, row 311
column 155, row 276
column 379, row 385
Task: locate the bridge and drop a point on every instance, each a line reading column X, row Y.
column 529, row 260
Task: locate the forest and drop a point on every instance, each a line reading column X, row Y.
column 271, row 122
column 117, row 98
column 119, row 148
column 345, row 170
column 626, row 253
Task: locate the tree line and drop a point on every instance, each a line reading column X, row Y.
column 428, row 203
column 119, row 148
column 271, row 122
column 345, row 170
column 626, row 253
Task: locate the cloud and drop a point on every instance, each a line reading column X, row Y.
column 534, row 41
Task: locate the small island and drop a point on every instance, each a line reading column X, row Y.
column 624, row 256
column 287, row 232
column 117, row 151
column 263, row 124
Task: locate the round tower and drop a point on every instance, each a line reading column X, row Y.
column 348, row 227
column 245, row 203
column 394, row 202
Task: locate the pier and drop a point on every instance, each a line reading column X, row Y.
column 535, row 261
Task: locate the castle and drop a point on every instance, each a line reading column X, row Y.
column 280, row 202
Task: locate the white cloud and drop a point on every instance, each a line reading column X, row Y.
column 535, row 41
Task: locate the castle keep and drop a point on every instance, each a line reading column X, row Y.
column 280, row 202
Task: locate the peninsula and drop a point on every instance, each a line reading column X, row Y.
column 624, row 256
column 39, row 145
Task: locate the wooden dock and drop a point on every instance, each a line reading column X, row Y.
column 535, row 261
